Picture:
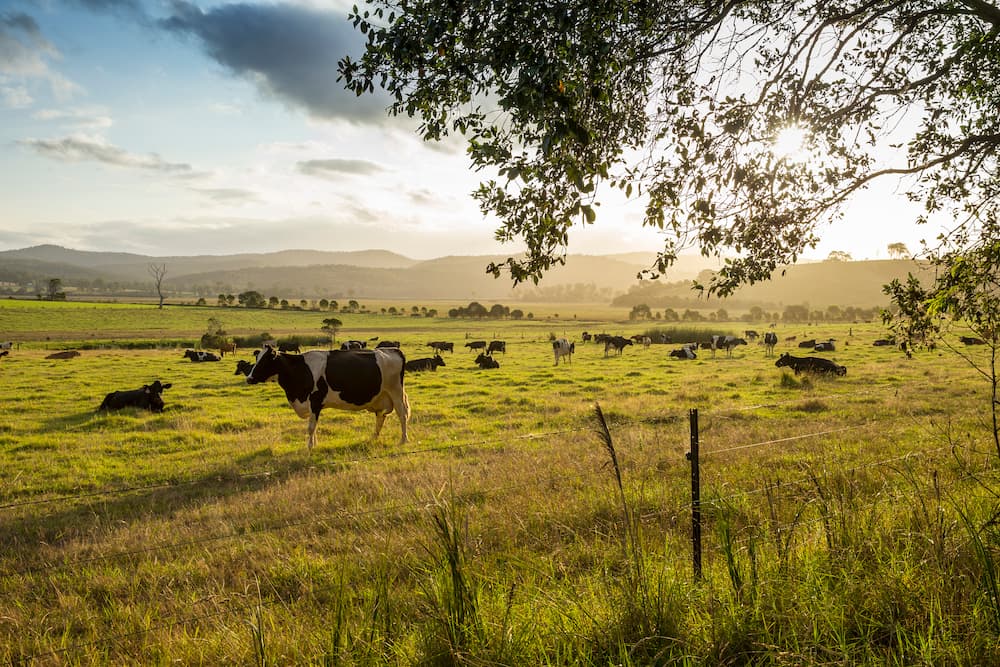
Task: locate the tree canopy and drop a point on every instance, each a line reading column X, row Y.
column 682, row 105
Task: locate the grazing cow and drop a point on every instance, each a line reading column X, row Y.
column 563, row 348
column 825, row 346
column 427, row 364
column 7, row 345
column 146, row 398
column 352, row 345
column 791, row 339
column 292, row 346
column 497, row 346
column 65, row 354
column 387, row 343
column 476, row 345
column 4, row 353
column 200, row 355
column 726, row 343
column 601, row 338
column 751, row 335
column 685, row 352
column 969, row 340
column 810, row 365
column 347, row 380
column 586, row 337
column 616, row 343
column 811, row 343
column 227, row 347
column 441, row 346
column 243, row 367
column 881, row 342
column 486, row 361
column 770, row 340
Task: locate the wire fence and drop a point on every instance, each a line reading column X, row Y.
column 720, row 500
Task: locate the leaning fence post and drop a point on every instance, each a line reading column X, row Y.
column 692, row 456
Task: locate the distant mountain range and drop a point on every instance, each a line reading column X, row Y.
column 380, row 274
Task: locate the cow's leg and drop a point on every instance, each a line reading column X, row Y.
column 313, row 419
column 379, row 421
column 402, row 406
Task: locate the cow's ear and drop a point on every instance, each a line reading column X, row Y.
column 168, row 385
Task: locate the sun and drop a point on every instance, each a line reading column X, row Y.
column 791, row 143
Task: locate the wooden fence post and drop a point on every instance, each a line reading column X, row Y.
column 692, row 456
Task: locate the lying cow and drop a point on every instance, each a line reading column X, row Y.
column 146, row 398
column 243, row 367
column 685, row 352
column 198, row 356
column 810, row 365
column 65, row 354
column 387, row 343
column 4, row 353
column 486, row 362
column 369, row 380
column 563, row 348
column 426, row 364
column 969, row 340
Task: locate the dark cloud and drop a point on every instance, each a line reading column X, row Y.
column 289, row 51
column 76, row 149
column 22, row 22
column 334, row 166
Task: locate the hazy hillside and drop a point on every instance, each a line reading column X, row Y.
column 818, row 285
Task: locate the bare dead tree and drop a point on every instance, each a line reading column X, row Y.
column 159, row 272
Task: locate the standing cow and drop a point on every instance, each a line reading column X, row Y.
column 354, row 380
column 563, row 348
column 770, row 340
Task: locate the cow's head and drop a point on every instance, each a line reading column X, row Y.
column 153, row 392
column 438, row 361
column 267, row 366
column 784, row 360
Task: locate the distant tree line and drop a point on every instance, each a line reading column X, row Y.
column 476, row 310
column 790, row 314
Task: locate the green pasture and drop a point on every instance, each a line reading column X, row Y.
column 847, row 520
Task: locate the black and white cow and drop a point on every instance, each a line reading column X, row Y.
column 353, row 345
column 476, row 345
column 441, row 346
column 200, row 355
column 811, row 343
column 427, row 364
column 825, row 346
column 387, row 343
column 485, row 362
column 586, row 337
column 616, row 343
column 726, row 343
column 770, row 340
column 354, row 380
column 243, row 367
column 7, row 345
column 497, row 346
column 686, row 352
column 561, row 347
column 148, row 397
column 809, row 365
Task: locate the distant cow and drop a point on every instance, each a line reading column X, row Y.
column 825, row 346
column 387, row 343
column 427, row 364
column 646, row 342
column 291, row 346
column 497, row 346
column 726, row 343
column 811, row 343
column 353, row 345
column 369, row 380
column 486, row 362
column 476, row 345
column 65, row 354
column 7, row 345
column 810, row 365
column 616, row 343
column 200, row 355
column 751, row 335
column 147, row 398
column 882, row 342
column 586, row 336
column 243, row 367
column 969, row 340
column 4, row 353
column 227, row 347
column 441, row 346
column 563, row 348
column 685, row 352
column 770, row 340
column 601, row 338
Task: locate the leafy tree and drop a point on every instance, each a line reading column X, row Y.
column 517, row 314
column 898, row 250
column 796, row 313
column 55, row 291
column 332, row 325
column 252, row 299
column 353, row 305
column 498, row 311
column 640, row 312
column 684, row 109
column 273, row 302
column 838, row 256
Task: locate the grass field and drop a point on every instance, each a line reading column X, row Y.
column 846, row 520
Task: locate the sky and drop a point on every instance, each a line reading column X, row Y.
column 182, row 128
